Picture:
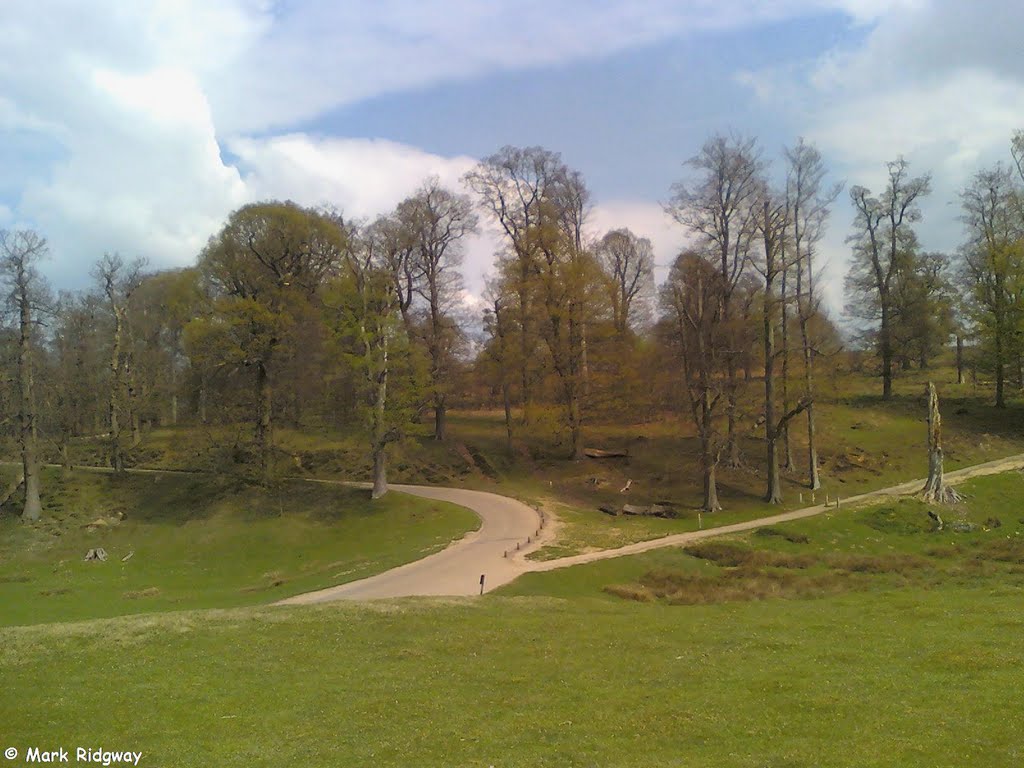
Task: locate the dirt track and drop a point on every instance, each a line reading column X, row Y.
column 506, row 522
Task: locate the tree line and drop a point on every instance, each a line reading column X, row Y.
column 303, row 316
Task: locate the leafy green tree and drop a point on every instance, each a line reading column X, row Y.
column 436, row 221
column 364, row 307
column 267, row 263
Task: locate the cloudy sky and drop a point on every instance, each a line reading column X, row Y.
column 137, row 126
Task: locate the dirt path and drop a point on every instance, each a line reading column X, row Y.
column 681, row 539
column 491, row 551
column 496, row 549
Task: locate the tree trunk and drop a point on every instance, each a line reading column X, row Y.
column 773, row 494
column 202, row 397
column 380, row 471
column 959, row 359
column 935, row 490
column 575, row 426
column 379, row 426
column 506, row 397
column 731, row 439
column 440, row 419
column 584, row 364
column 805, row 307
column 116, row 457
column 707, row 458
column 33, row 508
column 174, row 386
column 506, row 386
column 787, row 449
column 886, row 342
column 1000, row 379
column 524, row 341
column 264, row 423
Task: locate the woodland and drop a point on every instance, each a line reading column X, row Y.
column 305, row 319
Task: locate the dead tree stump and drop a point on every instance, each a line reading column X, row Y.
column 935, row 489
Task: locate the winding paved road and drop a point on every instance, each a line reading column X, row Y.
column 506, row 522
column 456, row 570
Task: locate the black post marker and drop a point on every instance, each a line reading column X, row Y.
column 481, row 583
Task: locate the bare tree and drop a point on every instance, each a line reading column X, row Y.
column 512, row 185
column 692, row 302
column 883, row 241
column 20, row 251
column 993, row 263
column 438, row 220
column 721, row 207
column 628, row 261
column 809, row 202
column 118, row 281
column 773, row 224
column 496, row 324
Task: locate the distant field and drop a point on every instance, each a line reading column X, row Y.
column 190, row 541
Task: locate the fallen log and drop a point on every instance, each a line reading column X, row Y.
column 651, row 510
column 600, row 453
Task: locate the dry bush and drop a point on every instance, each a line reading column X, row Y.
column 634, row 592
column 741, row 584
column 901, row 564
column 731, row 555
column 1003, row 550
column 139, row 593
column 790, row 536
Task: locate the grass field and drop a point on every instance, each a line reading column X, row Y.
column 196, row 541
column 907, row 655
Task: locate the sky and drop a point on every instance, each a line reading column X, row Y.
column 137, row 127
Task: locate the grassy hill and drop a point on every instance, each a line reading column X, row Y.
column 178, row 541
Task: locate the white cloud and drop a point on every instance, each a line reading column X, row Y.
column 939, row 82
column 362, row 177
column 322, row 54
column 645, row 220
column 138, row 98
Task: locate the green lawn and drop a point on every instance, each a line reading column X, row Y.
column 190, row 541
column 921, row 678
column 881, row 641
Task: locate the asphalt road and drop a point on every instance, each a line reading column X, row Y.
column 456, row 570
